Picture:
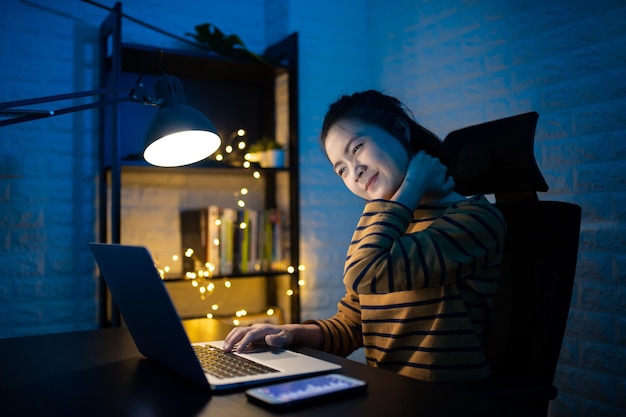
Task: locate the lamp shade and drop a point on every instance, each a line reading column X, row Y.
column 179, row 134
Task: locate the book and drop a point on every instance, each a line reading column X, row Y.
column 254, row 263
column 231, row 241
column 193, row 233
column 227, row 241
column 213, row 237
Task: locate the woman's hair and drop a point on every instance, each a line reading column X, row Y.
column 376, row 108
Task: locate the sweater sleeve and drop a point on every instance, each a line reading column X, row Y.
column 342, row 332
column 382, row 258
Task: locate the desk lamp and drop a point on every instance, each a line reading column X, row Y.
column 179, row 134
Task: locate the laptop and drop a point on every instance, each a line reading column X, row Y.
column 149, row 313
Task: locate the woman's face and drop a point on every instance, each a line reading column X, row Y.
column 370, row 161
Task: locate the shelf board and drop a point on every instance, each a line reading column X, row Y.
column 196, row 64
column 235, row 276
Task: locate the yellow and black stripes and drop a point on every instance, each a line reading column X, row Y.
column 419, row 289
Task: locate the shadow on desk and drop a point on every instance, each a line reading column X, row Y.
column 101, row 373
column 132, row 387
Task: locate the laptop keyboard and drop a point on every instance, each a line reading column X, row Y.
column 221, row 364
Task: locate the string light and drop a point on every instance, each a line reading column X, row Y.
column 235, row 147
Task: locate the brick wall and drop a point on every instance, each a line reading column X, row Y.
column 454, row 62
column 458, row 63
column 48, row 168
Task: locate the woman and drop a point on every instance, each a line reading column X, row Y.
column 422, row 267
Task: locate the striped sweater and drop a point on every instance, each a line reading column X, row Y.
column 420, row 288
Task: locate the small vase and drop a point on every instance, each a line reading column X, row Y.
column 273, row 158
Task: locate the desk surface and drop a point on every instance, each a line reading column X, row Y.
column 101, row 373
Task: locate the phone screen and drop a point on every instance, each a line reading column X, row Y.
column 302, row 390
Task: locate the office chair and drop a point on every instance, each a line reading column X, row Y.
column 539, row 262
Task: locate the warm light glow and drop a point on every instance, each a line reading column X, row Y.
column 289, row 293
column 301, row 268
column 174, row 258
column 202, row 290
column 242, row 225
column 190, row 275
column 291, row 269
column 219, row 157
column 244, row 191
column 228, row 148
column 189, row 252
column 241, row 145
column 216, row 242
column 241, row 313
column 194, row 283
column 241, row 203
column 246, row 164
column 241, row 132
column 215, row 307
column 300, row 282
column 270, row 312
column 236, row 322
column 227, row 284
column 182, row 148
column 209, row 316
column 256, row 174
column 166, row 268
column 210, row 287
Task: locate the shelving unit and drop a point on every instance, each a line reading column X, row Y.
column 233, row 93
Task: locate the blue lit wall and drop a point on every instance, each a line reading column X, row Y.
column 453, row 62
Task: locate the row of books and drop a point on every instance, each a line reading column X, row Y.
column 231, row 241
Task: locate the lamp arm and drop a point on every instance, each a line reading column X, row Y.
column 11, row 108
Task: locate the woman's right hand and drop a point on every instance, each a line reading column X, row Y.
column 270, row 334
column 425, row 176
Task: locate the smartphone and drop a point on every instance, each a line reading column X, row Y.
column 302, row 391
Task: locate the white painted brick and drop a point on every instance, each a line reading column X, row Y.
column 454, row 63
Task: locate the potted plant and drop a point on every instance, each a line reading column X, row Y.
column 267, row 152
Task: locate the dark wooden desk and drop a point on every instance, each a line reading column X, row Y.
column 101, row 373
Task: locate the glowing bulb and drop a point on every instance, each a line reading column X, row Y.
column 241, row 145
column 300, row 282
column 244, row 191
column 301, row 267
column 194, row 283
column 174, row 258
column 256, row 174
column 289, row 293
column 246, row 164
column 219, row 157
column 241, row 132
column 166, row 268
column 241, row 203
column 242, row 225
column 210, row 287
column 236, row 322
column 227, row 284
column 209, row 316
column 190, row 275
column 215, row 307
column 270, row 312
column 216, row 242
column 202, row 290
column 291, row 269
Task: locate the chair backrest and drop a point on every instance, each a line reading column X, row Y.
column 541, row 245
